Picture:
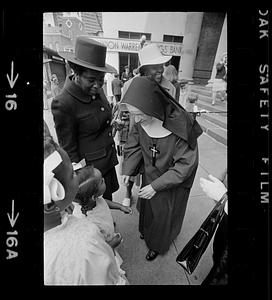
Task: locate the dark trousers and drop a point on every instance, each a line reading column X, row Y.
column 111, row 182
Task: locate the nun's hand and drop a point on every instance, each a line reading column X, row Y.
column 147, row 192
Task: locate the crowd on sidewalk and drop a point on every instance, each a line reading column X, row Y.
column 157, row 141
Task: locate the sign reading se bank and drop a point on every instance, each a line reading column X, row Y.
column 122, row 45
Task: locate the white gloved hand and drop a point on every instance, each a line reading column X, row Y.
column 213, row 188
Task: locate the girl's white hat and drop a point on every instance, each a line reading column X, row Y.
column 52, row 188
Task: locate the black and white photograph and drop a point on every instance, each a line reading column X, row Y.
column 126, row 133
column 161, row 206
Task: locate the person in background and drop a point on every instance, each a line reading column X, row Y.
column 126, row 75
column 45, row 88
column 216, row 189
column 171, row 73
column 109, row 78
column 163, row 142
column 117, row 85
column 184, row 93
column 55, row 89
column 82, row 113
column 219, row 87
column 135, row 72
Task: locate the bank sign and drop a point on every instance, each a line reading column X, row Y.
column 123, row 45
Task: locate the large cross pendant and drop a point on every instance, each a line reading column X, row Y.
column 154, row 152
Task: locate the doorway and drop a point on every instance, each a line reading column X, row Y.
column 174, row 61
column 128, row 59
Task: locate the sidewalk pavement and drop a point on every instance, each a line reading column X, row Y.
column 164, row 270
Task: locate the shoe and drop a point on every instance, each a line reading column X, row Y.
column 126, row 202
column 141, row 236
column 151, row 255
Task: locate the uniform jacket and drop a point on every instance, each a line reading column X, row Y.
column 83, row 126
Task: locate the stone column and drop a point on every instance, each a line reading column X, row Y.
column 221, row 48
column 190, row 43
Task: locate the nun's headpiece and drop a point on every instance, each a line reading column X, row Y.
column 153, row 100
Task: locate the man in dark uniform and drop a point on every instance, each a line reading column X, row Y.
column 82, row 114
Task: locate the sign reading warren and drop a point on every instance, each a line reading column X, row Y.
column 122, row 45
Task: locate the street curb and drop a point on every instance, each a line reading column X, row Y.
column 215, row 121
column 213, row 134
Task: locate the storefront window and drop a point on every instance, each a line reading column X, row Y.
column 172, row 38
column 133, row 35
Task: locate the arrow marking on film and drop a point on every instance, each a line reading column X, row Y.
column 11, row 219
column 10, row 80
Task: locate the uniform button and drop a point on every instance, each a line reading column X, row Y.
column 108, row 121
column 109, row 133
column 102, row 108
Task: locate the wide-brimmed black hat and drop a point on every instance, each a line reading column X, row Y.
column 89, row 54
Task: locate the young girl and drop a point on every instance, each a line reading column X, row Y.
column 90, row 203
column 75, row 252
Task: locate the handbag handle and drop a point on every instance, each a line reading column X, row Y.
column 218, row 207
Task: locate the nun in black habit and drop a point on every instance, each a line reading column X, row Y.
column 163, row 143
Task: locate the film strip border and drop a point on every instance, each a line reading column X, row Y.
column 263, row 41
column 248, row 147
column 21, row 116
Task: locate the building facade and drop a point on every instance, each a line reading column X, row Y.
column 195, row 40
column 205, row 40
column 60, row 30
column 92, row 22
column 122, row 33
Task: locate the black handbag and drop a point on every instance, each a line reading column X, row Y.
column 191, row 254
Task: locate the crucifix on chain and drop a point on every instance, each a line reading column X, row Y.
column 155, row 151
